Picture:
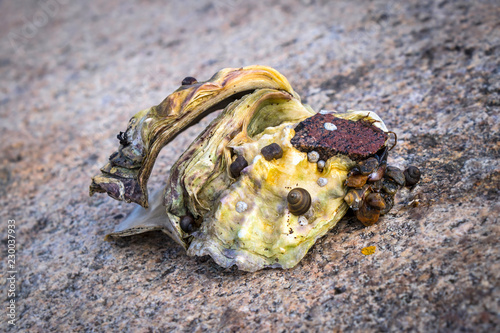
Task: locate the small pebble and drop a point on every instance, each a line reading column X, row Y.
column 330, row 127
column 322, row 181
column 303, row 221
column 313, row 156
column 326, row 111
column 241, row 206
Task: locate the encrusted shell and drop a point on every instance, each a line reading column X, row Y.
column 267, row 216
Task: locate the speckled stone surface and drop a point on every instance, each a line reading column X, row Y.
column 329, row 135
column 70, row 83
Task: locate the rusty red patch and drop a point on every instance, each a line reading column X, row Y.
column 330, row 135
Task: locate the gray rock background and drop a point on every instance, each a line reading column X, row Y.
column 72, row 74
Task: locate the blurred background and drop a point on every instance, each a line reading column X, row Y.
column 73, row 73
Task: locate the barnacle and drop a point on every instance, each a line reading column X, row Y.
column 264, row 180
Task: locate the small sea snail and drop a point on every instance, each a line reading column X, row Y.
column 189, row 80
column 187, row 223
column 356, row 181
column 375, row 200
column 272, row 151
column 412, row 175
column 313, row 156
column 395, row 174
column 354, row 198
column 239, row 164
column 367, row 166
column 389, row 186
column 389, row 203
column 299, row 201
column 368, row 215
column 377, row 174
column 321, row 165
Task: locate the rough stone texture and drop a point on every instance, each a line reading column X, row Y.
column 428, row 68
column 356, row 139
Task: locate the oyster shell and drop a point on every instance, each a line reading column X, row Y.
column 239, row 219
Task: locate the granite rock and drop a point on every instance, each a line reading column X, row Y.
column 73, row 73
column 356, row 139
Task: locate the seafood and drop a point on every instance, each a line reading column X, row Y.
column 265, row 180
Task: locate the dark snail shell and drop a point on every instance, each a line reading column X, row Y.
column 189, row 80
column 377, row 174
column 368, row 215
column 367, row 166
column 356, row 181
column 389, row 186
column 187, row 223
column 389, row 203
column 272, row 151
column 239, row 164
column 375, row 200
column 395, row 174
column 299, row 201
column 412, row 175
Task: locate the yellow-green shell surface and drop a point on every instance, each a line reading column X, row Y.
column 266, row 233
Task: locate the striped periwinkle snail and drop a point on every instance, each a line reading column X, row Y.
column 299, row 201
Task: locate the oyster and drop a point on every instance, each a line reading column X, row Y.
column 265, row 179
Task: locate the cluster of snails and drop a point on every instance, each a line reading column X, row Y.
column 270, row 152
column 299, row 200
column 372, row 186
